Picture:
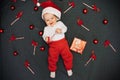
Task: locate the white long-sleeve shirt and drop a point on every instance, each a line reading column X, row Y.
column 50, row 31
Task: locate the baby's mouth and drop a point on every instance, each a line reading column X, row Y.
column 51, row 23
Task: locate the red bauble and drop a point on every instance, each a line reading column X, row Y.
column 105, row 21
column 40, row 33
column 85, row 11
column 95, row 41
column 42, row 48
column 15, row 53
column 31, row 27
column 12, row 7
column 1, row 31
column 35, row 8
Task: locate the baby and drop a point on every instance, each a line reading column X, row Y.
column 54, row 35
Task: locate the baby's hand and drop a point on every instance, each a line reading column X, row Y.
column 58, row 30
column 47, row 39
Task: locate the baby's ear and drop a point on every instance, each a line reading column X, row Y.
column 58, row 19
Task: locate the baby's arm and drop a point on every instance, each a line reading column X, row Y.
column 62, row 28
column 45, row 35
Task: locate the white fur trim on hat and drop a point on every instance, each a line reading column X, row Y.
column 52, row 11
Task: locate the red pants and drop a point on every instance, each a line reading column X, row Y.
column 57, row 48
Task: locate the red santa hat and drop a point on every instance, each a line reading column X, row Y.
column 50, row 7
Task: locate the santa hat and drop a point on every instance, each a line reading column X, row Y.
column 50, row 7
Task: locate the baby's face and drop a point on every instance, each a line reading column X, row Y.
column 50, row 19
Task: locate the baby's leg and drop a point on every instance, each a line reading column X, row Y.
column 52, row 60
column 68, row 59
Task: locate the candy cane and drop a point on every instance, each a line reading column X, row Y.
column 93, row 7
column 19, row 38
column 80, row 23
column 107, row 43
column 92, row 57
column 72, row 5
column 87, row 5
column 35, row 44
column 13, row 37
column 27, row 65
column 88, row 61
column 19, row 15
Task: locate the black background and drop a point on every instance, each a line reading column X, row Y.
column 105, row 67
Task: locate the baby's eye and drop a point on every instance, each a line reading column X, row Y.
column 52, row 18
column 47, row 20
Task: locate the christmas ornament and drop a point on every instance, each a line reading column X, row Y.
column 93, row 7
column 36, row 8
column 85, row 11
column 12, row 7
column 40, row 33
column 35, row 44
column 18, row 16
column 31, row 27
column 105, row 21
column 1, row 30
column 13, row 37
column 15, row 53
column 95, row 41
column 71, row 4
column 107, row 43
column 42, row 48
column 27, row 65
column 92, row 57
column 80, row 23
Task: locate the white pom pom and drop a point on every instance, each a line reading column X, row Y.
column 38, row 4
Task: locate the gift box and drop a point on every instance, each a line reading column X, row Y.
column 78, row 45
